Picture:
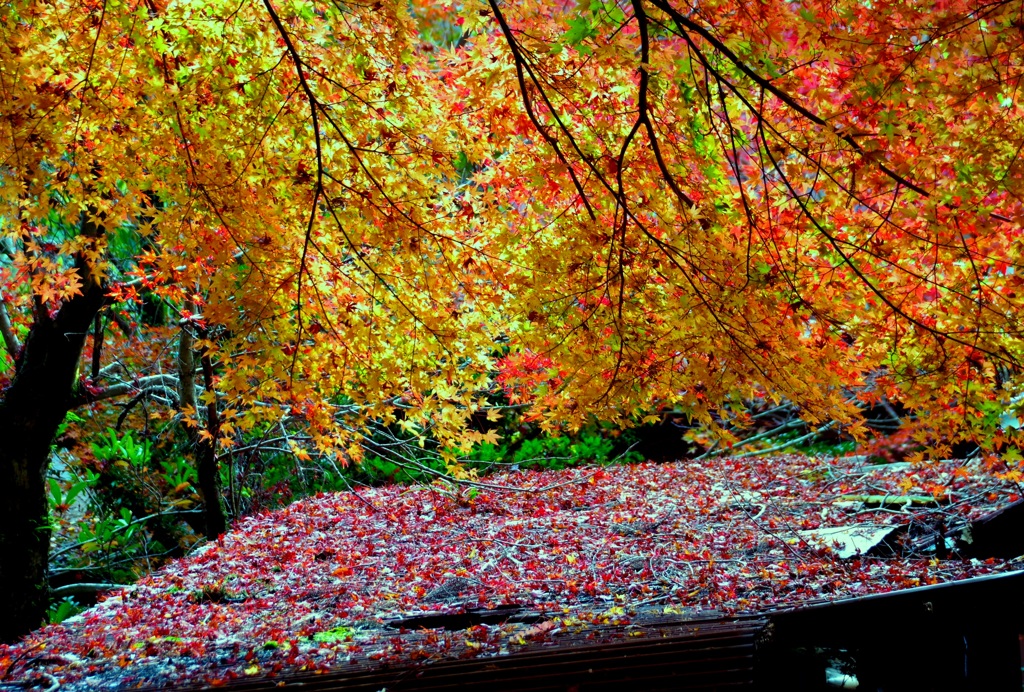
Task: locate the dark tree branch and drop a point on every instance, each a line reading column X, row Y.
column 521, row 65
column 97, row 346
column 644, row 115
column 318, row 187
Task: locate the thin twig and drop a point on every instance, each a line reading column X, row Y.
column 785, row 445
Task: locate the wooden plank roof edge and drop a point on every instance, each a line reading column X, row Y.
column 986, row 584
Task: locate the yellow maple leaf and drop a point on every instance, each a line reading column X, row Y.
column 491, row 437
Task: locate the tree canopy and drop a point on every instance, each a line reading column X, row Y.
column 356, row 212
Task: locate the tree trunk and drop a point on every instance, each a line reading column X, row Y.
column 24, row 527
column 208, row 467
column 204, row 446
column 31, row 409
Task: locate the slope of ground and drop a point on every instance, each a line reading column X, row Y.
column 339, row 580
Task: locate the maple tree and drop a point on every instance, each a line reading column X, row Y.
column 375, row 214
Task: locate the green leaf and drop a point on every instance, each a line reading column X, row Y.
column 338, row 634
column 463, row 165
column 579, row 29
column 55, row 492
column 607, row 12
column 807, row 15
column 65, row 609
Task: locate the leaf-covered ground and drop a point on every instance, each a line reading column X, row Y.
column 315, row 586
